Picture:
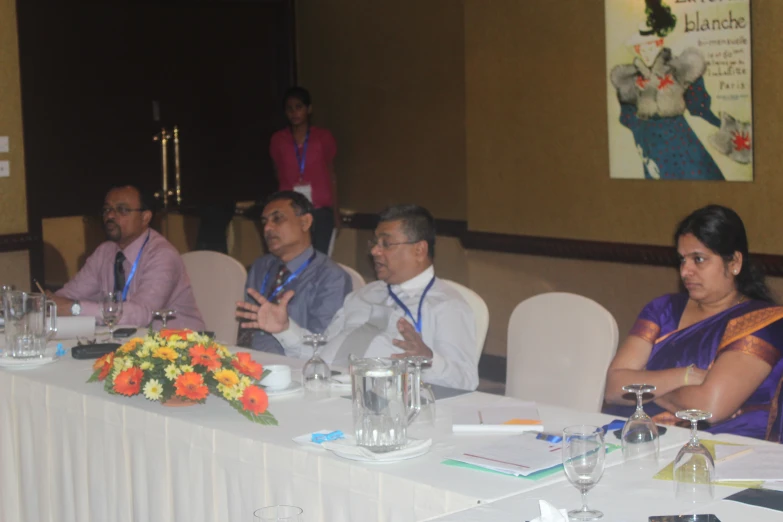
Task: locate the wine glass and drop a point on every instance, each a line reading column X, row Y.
column 316, row 373
column 694, row 466
column 640, row 434
column 583, row 461
column 279, row 513
column 163, row 316
column 112, row 310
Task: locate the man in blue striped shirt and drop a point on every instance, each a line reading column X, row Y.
column 319, row 285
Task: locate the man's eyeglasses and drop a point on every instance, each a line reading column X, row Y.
column 385, row 244
column 120, row 211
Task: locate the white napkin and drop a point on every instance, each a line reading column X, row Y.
column 347, row 448
column 550, row 513
column 73, row 327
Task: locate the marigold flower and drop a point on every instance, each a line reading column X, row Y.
column 254, row 400
column 247, row 366
column 165, row 353
column 228, row 378
column 128, row 382
column 191, row 385
column 131, row 345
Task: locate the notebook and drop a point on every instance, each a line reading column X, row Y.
column 519, row 417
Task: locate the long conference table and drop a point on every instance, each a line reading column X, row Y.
column 70, row 452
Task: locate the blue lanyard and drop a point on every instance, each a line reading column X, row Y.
column 416, row 322
column 300, row 158
column 133, row 269
column 290, row 278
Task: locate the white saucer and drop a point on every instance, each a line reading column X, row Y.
column 347, row 449
column 291, row 388
column 25, row 364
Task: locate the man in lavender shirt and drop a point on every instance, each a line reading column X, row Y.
column 137, row 262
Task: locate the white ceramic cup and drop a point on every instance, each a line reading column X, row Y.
column 279, row 377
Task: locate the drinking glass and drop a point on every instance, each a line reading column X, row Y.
column 278, row 513
column 694, row 467
column 112, row 310
column 3, row 290
column 640, row 434
column 583, row 461
column 316, row 373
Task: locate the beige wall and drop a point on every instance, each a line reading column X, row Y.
column 537, row 146
column 388, row 79
column 13, row 200
column 14, row 266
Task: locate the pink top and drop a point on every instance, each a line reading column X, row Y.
column 160, row 283
column 321, row 150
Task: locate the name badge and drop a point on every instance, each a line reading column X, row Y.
column 306, row 190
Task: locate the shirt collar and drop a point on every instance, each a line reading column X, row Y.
column 299, row 260
column 131, row 251
column 417, row 283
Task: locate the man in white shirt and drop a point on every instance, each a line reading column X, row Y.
column 409, row 312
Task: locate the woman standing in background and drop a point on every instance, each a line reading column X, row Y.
column 303, row 156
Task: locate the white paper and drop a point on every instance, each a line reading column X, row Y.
column 522, row 416
column 763, row 463
column 729, row 451
column 516, row 455
column 73, row 327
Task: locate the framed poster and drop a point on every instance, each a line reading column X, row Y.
column 679, row 89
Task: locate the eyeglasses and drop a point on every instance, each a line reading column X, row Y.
column 385, row 244
column 120, row 211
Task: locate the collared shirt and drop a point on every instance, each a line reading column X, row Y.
column 448, row 328
column 319, row 292
column 160, row 282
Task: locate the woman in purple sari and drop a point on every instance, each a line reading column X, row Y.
column 716, row 347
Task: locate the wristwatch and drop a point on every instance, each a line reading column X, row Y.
column 76, row 308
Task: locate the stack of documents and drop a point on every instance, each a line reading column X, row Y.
column 749, row 463
column 519, row 455
column 522, row 416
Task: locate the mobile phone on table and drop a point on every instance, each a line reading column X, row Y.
column 121, row 333
column 685, row 518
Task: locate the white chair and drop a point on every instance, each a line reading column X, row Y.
column 218, row 282
column 480, row 312
column 559, row 348
column 356, row 278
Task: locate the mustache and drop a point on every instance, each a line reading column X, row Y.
column 110, row 222
column 267, row 237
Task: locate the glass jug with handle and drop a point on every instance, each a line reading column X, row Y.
column 386, row 398
column 26, row 327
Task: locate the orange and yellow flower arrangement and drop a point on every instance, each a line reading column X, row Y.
column 184, row 365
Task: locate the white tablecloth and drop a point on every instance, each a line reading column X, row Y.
column 623, row 495
column 71, row 452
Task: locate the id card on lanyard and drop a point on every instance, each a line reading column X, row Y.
column 417, row 321
column 133, row 269
column 301, row 186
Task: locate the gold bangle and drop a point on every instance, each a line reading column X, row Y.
column 687, row 373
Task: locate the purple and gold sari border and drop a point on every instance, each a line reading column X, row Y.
column 645, row 329
column 749, row 323
column 752, row 345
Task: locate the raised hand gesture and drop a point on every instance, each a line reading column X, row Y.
column 267, row 316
